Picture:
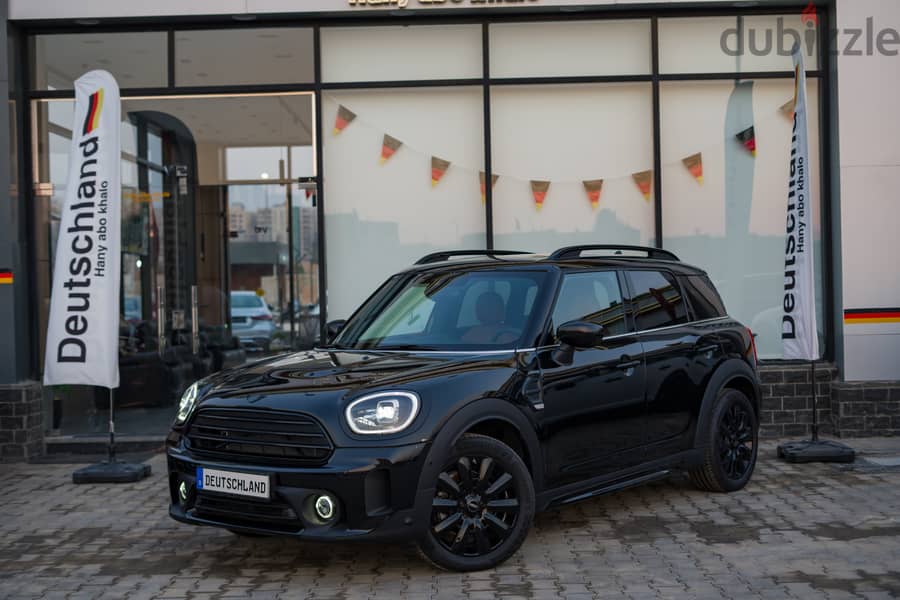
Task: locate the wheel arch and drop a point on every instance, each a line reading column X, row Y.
column 735, row 374
column 495, row 418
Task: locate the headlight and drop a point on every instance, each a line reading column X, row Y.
column 188, row 399
column 384, row 412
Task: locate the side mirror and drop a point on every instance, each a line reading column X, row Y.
column 580, row 334
column 333, row 328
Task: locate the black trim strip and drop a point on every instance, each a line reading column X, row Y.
column 869, row 311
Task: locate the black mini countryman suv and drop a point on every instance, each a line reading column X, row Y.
column 469, row 392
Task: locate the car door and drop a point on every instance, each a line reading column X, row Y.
column 679, row 354
column 594, row 398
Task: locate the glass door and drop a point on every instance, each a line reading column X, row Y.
column 273, row 266
column 219, row 244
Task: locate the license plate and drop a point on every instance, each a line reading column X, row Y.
column 231, row 482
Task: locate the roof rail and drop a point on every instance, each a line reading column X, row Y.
column 447, row 255
column 617, row 250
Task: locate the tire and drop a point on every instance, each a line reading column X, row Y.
column 482, row 509
column 732, row 444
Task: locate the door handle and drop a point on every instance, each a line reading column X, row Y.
column 625, row 363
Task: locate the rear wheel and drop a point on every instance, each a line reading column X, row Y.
column 482, row 507
column 731, row 448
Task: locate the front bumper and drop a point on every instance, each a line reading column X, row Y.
column 376, row 490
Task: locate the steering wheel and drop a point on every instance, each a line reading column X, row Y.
column 513, row 332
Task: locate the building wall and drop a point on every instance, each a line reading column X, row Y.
column 870, row 189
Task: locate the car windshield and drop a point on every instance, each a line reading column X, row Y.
column 473, row 310
column 246, row 301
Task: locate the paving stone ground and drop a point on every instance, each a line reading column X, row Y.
column 806, row 531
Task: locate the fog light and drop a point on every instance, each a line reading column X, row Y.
column 324, row 507
column 183, row 492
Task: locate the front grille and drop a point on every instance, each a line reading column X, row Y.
column 259, row 436
column 276, row 515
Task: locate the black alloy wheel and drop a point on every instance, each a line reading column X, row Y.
column 736, row 443
column 482, row 507
column 731, row 448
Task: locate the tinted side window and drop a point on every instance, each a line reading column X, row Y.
column 704, row 298
column 656, row 300
column 593, row 297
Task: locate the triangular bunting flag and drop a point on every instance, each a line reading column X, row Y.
column 748, row 138
column 539, row 190
column 481, row 178
column 593, row 188
column 644, row 181
column 439, row 166
column 694, row 164
column 388, row 147
column 344, row 117
column 787, row 109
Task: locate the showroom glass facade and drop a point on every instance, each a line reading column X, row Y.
column 280, row 205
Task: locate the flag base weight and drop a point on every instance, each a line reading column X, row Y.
column 111, row 472
column 816, row 451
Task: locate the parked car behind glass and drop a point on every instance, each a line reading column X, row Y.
column 251, row 320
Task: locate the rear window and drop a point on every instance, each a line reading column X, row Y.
column 703, row 298
column 656, row 300
column 245, row 301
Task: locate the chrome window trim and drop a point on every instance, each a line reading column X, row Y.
column 517, row 350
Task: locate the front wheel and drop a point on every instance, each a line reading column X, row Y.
column 731, row 448
column 482, row 508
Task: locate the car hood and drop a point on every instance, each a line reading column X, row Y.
column 345, row 371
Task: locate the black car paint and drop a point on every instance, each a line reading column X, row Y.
column 574, row 434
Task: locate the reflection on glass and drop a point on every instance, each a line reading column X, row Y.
column 261, row 219
column 480, row 310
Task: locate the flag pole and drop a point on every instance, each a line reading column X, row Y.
column 815, row 402
column 799, row 332
column 111, row 455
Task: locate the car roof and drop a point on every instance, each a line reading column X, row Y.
column 518, row 261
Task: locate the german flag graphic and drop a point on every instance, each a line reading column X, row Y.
column 6, row 277
column 344, row 117
column 694, row 164
column 644, row 181
column 866, row 316
column 439, row 168
column 482, row 180
column 593, row 188
column 92, row 118
column 388, row 147
column 539, row 190
column 747, row 138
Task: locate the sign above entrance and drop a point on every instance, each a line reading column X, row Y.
column 437, row 3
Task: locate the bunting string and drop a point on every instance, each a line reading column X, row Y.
column 540, row 189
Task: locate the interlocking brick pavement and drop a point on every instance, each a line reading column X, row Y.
column 811, row 531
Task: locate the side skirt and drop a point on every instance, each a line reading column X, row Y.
column 607, row 484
